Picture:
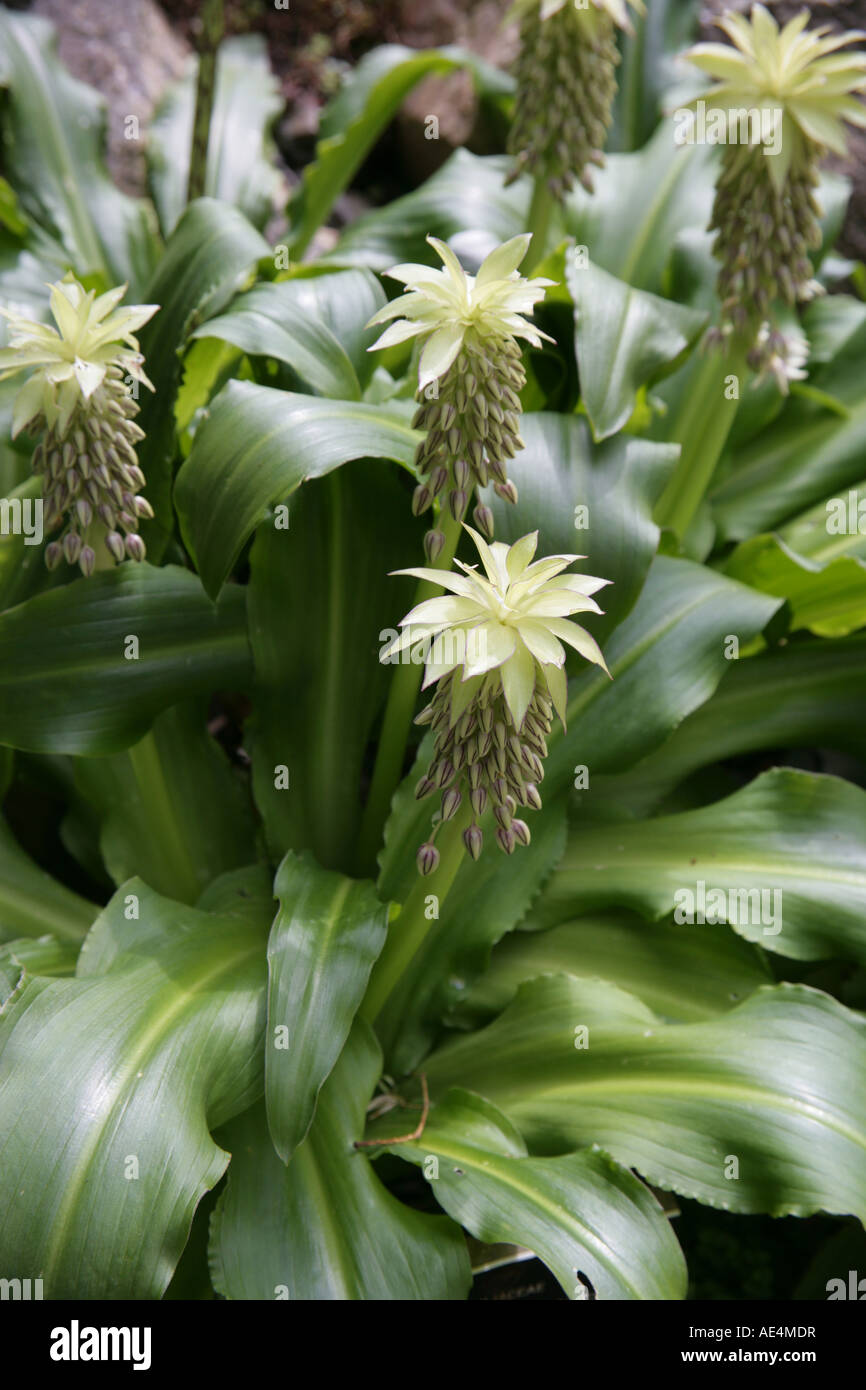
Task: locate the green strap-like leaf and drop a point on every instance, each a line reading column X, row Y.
column 211, row 254
column 682, row 974
column 829, row 600
column 87, row 667
column 324, row 1228
column 583, row 1215
column 666, row 659
column 255, row 448
column 784, row 860
column 596, row 499
column 53, row 130
column 158, row 1038
column 803, row 694
column 327, row 933
column 624, row 339
column 760, row 1109
column 320, row 610
column 170, row 808
column 358, row 115
column 32, row 902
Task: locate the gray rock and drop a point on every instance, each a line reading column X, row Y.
column 130, row 54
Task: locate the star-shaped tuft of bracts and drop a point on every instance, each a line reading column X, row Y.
column 494, row 651
column 78, row 402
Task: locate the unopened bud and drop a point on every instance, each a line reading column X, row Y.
column 427, row 859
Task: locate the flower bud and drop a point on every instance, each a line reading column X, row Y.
column 473, row 839
column 434, row 544
column 427, row 859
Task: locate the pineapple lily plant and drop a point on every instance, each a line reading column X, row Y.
column 434, row 825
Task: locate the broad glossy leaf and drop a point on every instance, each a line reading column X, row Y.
column 327, row 933
column 38, row 955
column 68, row 680
column 783, row 861
column 170, row 808
column 666, row 659
column 211, row 254
column 803, row 694
column 829, row 599
column 357, row 116
column 594, row 499
column 668, row 191
column 467, row 195
column 649, row 70
column 53, row 132
column 779, row 1084
column 256, row 446
column 624, row 339
column 284, row 321
column 680, row 973
column 809, row 453
column 33, row 903
column 583, row 1215
column 240, row 152
column 158, row 1039
column 324, row 1228
column 321, row 604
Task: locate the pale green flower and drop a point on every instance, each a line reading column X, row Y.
column 795, row 74
column 496, row 649
column 449, row 306
column 470, row 374
column 785, row 94
column 78, row 401
column 71, row 360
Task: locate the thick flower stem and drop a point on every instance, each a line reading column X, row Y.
column 407, row 932
column 538, row 222
column 399, row 712
column 701, row 427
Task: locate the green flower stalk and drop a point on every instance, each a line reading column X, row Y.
column 566, row 84
column 470, row 374
column 79, row 404
column 795, row 90
column 495, row 654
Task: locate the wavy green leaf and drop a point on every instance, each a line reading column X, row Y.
column 53, row 131
column 256, row 446
column 624, row 339
column 170, row 808
column 320, row 606
column 802, row 694
column 210, row 255
column 324, row 1228
column 327, row 933
column 778, row 1084
column 783, row 861
column 284, row 321
column 666, row 659
column 71, row 679
column 681, row 974
column 165, row 1018
column 829, row 599
column 33, row 903
column 583, row 1215
column 352, row 123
